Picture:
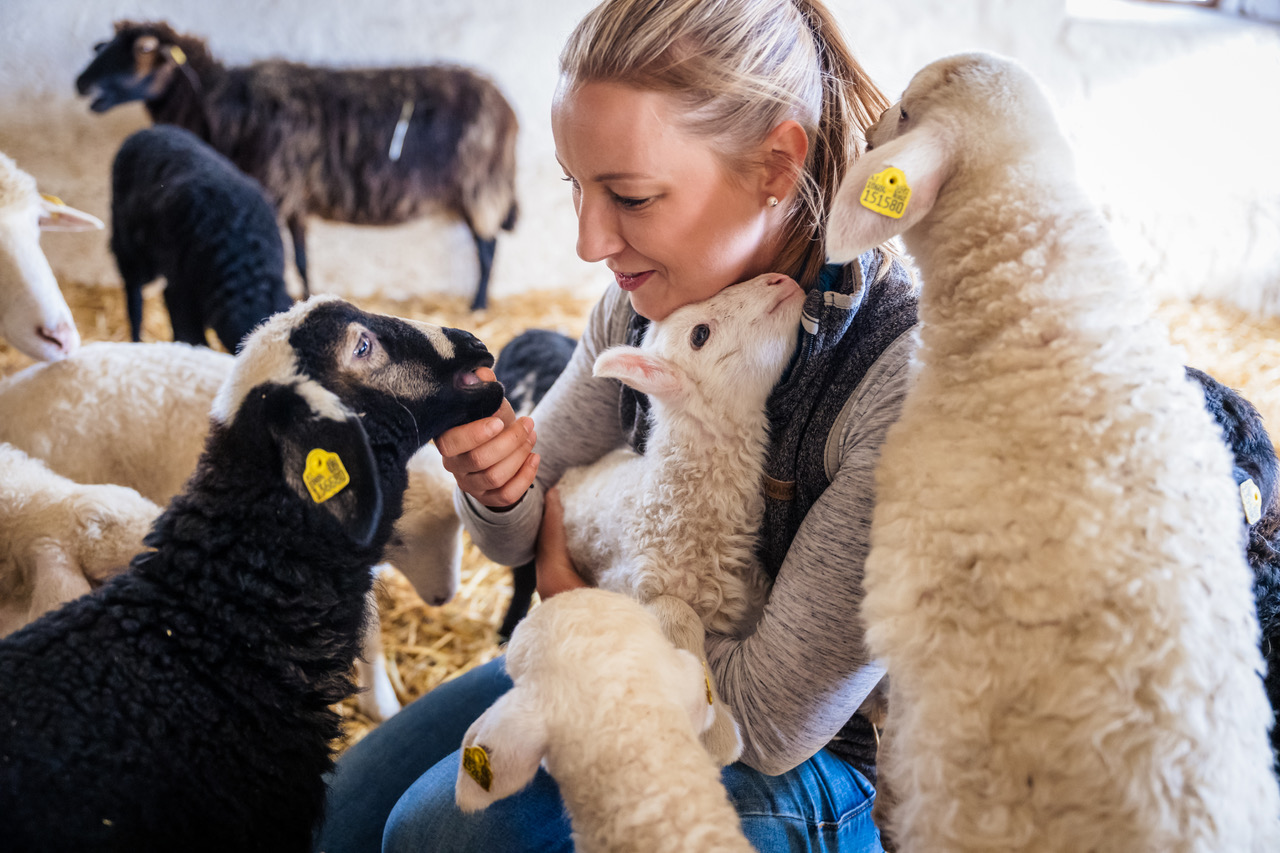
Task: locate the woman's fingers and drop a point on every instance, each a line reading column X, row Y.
column 482, row 446
column 556, row 572
column 506, row 490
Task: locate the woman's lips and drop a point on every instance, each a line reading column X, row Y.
column 630, row 281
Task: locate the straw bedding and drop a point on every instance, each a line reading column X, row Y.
column 426, row 646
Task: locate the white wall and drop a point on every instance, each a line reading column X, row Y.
column 1174, row 113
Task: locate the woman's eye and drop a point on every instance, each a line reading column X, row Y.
column 572, row 183
column 700, row 335
column 631, row 203
column 363, row 347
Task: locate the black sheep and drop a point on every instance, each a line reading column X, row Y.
column 527, row 368
column 1255, row 459
column 185, row 706
column 370, row 146
column 181, row 210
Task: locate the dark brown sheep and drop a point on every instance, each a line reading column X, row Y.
column 369, row 146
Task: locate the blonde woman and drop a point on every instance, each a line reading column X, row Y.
column 702, row 141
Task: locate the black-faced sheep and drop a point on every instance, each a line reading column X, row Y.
column 1257, row 475
column 137, row 415
column 527, row 367
column 369, row 146
column 677, row 526
column 1056, row 583
column 614, row 711
column 33, row 315
column 181, row 210
column 186, row 704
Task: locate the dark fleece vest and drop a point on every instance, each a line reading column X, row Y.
column 848, row 322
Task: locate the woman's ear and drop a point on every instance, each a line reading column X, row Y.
column 785, row 150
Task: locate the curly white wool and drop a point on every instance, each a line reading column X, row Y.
column 1056, row 582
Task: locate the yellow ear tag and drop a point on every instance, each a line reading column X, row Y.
column 706, row 676
column 324, row 475
column 887, row 192
column 1251, row 497
column 177, row 54
column 475, row 760
column 53, row 199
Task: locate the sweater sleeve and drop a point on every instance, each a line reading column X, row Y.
column 577, row 423
column 798, row 679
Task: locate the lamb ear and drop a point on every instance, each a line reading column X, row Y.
column 327, row 459
column 648, row 374
column 501, row 751
column 56, row 216
column 923, row 154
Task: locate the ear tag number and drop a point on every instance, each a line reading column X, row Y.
column 887, row 192
column 475, row 760
column 178, row 55
column 324, row 475
column 1251, row 497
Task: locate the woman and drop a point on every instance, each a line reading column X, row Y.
column 703, row 142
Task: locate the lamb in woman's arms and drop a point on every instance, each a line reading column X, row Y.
column 676, row 527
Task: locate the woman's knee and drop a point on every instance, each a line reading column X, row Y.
column 427, row 819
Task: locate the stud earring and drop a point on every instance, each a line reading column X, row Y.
column 772, row 201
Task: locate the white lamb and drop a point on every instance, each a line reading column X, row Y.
column 1056, row 582
column 33, row 315
column 676, row 528
column 59, row 539
column 613, row 710
column 137, row 415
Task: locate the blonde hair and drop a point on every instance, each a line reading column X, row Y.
column 740, row 68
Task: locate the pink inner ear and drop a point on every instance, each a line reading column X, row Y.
column 55, row 217
column 644, row 373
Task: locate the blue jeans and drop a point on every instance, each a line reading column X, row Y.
column 393, row 791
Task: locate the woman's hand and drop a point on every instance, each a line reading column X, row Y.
column 555, row 569
column 492, row 459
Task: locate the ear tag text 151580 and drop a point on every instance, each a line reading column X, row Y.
column 324, row 475
column 887, row 192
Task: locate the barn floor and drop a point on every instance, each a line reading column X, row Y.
column 429, row 645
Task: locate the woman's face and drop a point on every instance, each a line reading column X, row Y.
column 655, row 203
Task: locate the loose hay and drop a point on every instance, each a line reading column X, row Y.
column 426, row 646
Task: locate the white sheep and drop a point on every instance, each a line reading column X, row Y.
column 33, row 315
column 59, row 539
column 1056, row 582
column 613, row 710
column 137, row 415
column 676, row 527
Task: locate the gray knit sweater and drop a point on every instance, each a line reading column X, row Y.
column 795, row 684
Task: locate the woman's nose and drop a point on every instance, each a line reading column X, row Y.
column 598, row 236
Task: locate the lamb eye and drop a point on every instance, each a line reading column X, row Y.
column 902, row 114
column 700, row 335
column 362, row 347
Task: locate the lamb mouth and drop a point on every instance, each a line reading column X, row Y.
column 103, row 99
column 467, row 380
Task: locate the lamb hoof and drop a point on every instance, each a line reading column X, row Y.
column 721, row 739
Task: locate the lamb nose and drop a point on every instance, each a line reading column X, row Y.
column 468, row 342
